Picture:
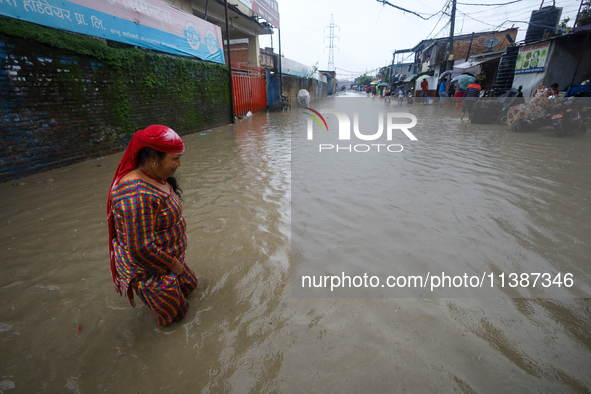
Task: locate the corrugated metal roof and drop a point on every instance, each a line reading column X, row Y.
column 474, row 63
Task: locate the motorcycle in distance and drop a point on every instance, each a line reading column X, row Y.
column 564, row 116
column 409, row 98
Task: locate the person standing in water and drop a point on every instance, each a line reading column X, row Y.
column 147, row 230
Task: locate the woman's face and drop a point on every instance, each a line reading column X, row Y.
column 167, row 166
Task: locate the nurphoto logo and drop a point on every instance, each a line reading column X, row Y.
column 344, row 133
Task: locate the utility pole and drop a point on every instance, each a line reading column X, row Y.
column 280, row 66
column 392, row 68
column 450, row 63
column 233, row 120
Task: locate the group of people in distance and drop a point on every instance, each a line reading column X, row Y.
column 387, row 92
column 463, row 99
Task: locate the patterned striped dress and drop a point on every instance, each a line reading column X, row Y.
column 151, row 230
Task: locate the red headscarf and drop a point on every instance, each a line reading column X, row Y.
column 160, row 138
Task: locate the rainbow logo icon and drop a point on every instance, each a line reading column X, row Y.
column 316, row 119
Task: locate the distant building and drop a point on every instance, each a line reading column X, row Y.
column 430, row 55
column 268, row 58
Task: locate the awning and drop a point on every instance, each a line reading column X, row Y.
column 410, row 78
column 474, row 63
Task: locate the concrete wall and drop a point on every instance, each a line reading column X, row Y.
column 61, row 106
column 291, row 67
column 291, row 87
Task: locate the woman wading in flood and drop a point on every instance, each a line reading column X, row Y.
column 147, row 239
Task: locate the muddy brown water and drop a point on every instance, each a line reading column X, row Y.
column 498, row 199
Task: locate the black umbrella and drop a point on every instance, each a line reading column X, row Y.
column 445, row 74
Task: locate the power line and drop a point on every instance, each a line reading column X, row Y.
column 358, row 72
column 442, row 29
column 409, row 11
column 489, row 5
column 475, row 19
column 445, row 6
column 285, row 16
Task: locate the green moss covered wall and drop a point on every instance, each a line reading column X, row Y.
column 65, row 98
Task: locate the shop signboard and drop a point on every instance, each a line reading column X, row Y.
column 532, row 58
column 266, row 9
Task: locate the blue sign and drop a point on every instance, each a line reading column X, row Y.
column 151, row 24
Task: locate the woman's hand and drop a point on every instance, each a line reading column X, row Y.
column 177, row 268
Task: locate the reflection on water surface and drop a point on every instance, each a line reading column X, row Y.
column 245, row 332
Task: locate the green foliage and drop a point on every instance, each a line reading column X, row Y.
column 76, row 43
column 564, row 23
column 158, row 78
column 314, row 70
column 584, row 15
column 363, row 80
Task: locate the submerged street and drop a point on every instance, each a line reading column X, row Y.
column 462, row 198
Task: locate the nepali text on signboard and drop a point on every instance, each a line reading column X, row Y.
column 151, row 24
column 266, row 9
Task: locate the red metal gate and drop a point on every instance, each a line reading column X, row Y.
column 250, row 88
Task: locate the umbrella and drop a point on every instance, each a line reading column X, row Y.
column 463, row 81
column 422, row 77
column 383, row 84
column 374, row 83
column 445, row 74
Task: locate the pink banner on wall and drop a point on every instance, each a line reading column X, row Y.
column 151, row 24
column 156, row 14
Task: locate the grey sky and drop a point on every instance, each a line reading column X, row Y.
column 369, row 31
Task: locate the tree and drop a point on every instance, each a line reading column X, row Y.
column 363, row 80
column 314, row 71
column 564, row 23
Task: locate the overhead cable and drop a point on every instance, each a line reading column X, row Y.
column 489, row 5
column 442, row 14
column 463, row 13
column 357, row 72
column 409, row 11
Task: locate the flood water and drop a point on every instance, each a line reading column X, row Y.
column 462, row 198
